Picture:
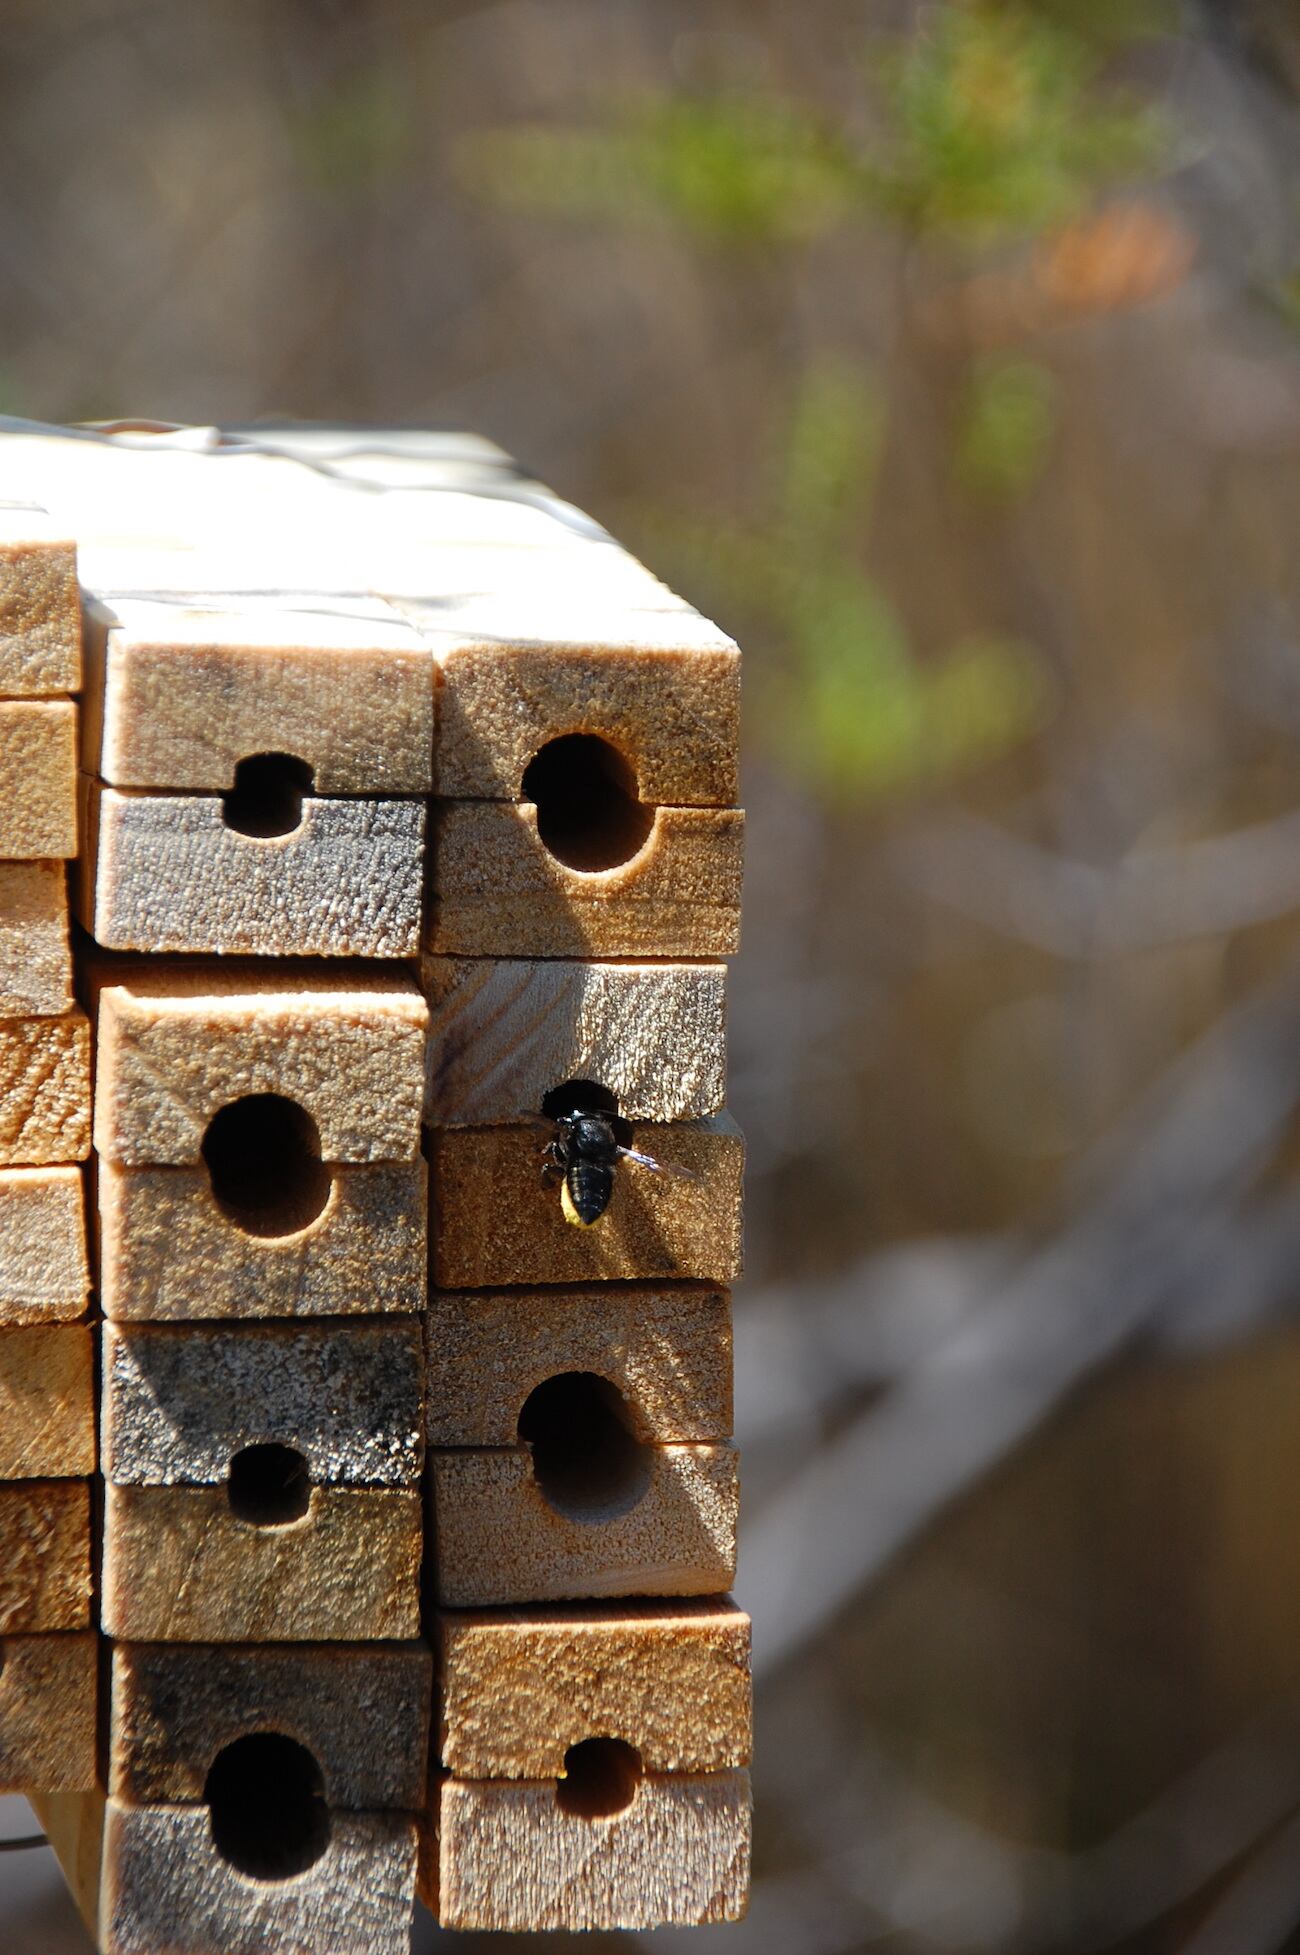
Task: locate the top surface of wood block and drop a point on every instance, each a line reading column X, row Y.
column 40, row 605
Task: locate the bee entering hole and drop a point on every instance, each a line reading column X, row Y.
column 267, row 797
column 588, row 814
column 268, row 1486
column 266, row 1805
column 263, row 1160
column 601, row 1776
column 586, row 1459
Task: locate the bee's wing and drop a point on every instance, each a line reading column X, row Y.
column 656, row 1167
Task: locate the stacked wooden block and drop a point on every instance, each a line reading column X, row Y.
column 302, row 652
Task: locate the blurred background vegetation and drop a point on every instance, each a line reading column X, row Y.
column 947, row 352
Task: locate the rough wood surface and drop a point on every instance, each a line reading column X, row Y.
column 518, row 1687
column 48, row 1690
column 179, row 1401
column 150, row 1878
column 498, row 891
column 35, row 955
column 667, row 1350
column 44, row 1273
column 38, row 778
column 510, row 1859
column 44, row 1555
column 174, row 1046
column 47, row 1402
column 167, row 1251
column 498, row 1538
column 362, row 1710
column 40, row 606
column 503, row 1032
column 163, row 872
column 44, row 1090
column 493, row 1220
column 180, row 1567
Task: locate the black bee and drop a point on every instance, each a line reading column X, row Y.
column 582, row 1155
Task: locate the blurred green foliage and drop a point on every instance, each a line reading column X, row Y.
column 1005, row 428
column 354, row 136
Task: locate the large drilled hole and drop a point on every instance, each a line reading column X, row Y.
column 266, row 1802
column 586, row 1459
column 584, row 1096
column 263, row 1159
column 268, row 794
column 269, row 1486
column 588, row 814
column 601, row 1776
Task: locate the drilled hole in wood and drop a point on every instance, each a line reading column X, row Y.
column 269, row 1485
column 268, row 795
column 588, row 814
column 266, row 1802
column 601, row 1776
column 263, row 1160
column 586, row 1459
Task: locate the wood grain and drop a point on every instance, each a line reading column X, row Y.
column 44, row 1090
column 38, row 779
column 48, row 1687
column 44, row 1273
column 44, row 1555
column 40, row 606
column 35, row 955
column 47, row 1402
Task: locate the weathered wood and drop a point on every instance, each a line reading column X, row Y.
column 498, row 891
column 518, row 1687
column 163, row 872
column 176, row 1045
column 44, row 1273
column 493, row 1220
column 48, row 1688
column 362, row 1710
column 38, row 779
column 508, row 1858
column 667, row 1350
column 664, row 1523
column 180, row 1566
column 44, row 1555
column 503, row 1032
column 180, row 1401
column 35, row 955
column 47, row 1402
column 44, row 1090
column 168, row 1251
column 40, row 606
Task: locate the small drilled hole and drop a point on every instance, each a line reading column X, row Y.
column 266, row 1803
column 267, row 796
column 263, row 1159
column 586, row 1459
column 588, row 814
column 269, row 1485
column 601, row 1776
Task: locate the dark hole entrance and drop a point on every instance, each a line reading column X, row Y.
column 587, row 1461
column 268, row 794
column 584, row 1096
column 266, row 1802
column 263, row 1159
column 601, row 1776
column 268, row 1486
column 588, row 814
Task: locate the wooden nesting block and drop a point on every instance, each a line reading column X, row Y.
column 663, row 1522
column 188, row 693
column 508, row 1857
column 180, row 1565
column 180, row 1401
column 519, row 1687
column 38, row 779
column 48, row 1688
column 667, row 1351
column 493, row 1220
column 164, row 872
column 47, row 1402
column 499, row 891
column 40, row 606
column 362, row 1710
column 167, row 1250
column 149, row 1878
column 177, row 1045
column 44, row 1555
column 35, row 955
column 44, row 1274
column 503, row 1032
column 44, row 1090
